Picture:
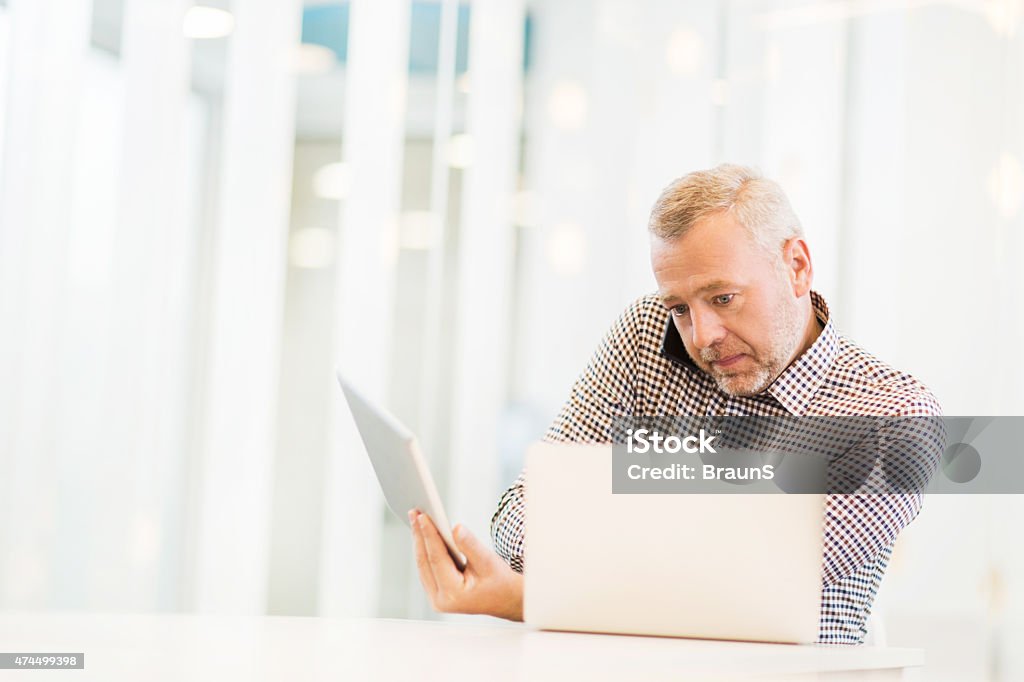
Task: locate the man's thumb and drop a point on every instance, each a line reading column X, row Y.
column 476, row 552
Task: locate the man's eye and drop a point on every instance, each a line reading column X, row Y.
column 680, row 310
column 724, row 299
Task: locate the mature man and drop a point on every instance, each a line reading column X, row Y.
column 735, row 329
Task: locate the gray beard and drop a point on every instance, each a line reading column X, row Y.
column 785, row 338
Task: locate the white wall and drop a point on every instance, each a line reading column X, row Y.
column 97, row 477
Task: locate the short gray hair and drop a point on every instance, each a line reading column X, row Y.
column 758, row 203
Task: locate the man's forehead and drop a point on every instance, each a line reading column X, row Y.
column 707, row 259
column 699, row 248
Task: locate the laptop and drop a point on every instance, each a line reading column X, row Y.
column 713, row 566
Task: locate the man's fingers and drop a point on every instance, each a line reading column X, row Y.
column 447, row 575
column 422, row 561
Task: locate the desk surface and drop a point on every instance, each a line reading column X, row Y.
column 199, row 647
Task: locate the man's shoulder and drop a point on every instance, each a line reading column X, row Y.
column 869, row 385
column 643, row 319
column 647, row 309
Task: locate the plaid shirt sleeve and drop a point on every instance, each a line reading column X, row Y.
column 606, row 390
column 861, row 528
column 861, row 523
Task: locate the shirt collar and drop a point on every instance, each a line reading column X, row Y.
column 797, row 384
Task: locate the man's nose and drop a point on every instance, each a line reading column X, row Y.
column 706, row 327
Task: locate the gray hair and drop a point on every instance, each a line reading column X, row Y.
column 758, row 204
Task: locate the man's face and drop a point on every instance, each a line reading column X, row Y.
column 735, row 306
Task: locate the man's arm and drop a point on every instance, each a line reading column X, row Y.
column 604, row 392
column 861, row 526
column 507, row 524
column 861, row 522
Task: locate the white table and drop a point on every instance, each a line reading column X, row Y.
column 199, row 647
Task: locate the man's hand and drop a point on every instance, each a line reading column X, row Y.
column 487, row 585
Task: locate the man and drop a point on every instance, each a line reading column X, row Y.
column 735, row 329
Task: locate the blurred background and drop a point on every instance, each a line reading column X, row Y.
column 207, row 208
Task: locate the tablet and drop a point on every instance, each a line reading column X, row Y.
column 401, row 469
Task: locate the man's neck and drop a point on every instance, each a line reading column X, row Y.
column 811, row 330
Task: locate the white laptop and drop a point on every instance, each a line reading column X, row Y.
column 716, row 566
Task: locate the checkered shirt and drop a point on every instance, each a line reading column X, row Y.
column 641, row 368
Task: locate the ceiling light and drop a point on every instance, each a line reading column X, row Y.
column 567, row 106
column 333, row 181
column 460, row 151
column 1006, row 185
column 312, row 59
column 1003, row 16
column 207, row 22
column 683, row 51
column 311, row 248
column 420, row 230
column 566, row 249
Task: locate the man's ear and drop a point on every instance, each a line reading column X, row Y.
column 797, row 259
